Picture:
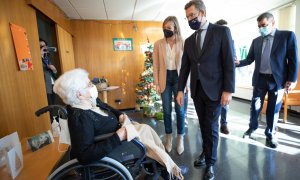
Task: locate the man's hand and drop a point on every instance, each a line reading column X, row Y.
column 122, row 133
column 236, row 62
column 289, row 86
column 157, row 88
column 180, row 98
column 226, row 98
column 52, row 67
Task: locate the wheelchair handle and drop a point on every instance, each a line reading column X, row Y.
column 59, row 108
column 102, row 137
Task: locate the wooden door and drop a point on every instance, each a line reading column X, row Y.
column 65, row 49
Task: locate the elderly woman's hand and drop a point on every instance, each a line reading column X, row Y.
column 122, row 118
column 122, row 133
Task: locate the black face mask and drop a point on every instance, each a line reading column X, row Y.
column 168, row 33
column 195, row 23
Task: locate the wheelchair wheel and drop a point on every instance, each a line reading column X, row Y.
column 106, row 169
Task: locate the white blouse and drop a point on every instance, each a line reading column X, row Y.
column 171, row 55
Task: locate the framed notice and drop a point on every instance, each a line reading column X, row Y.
column 21, row 47
column 122, row 44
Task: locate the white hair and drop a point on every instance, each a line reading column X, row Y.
column 70, row 83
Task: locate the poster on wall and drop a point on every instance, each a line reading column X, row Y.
column 122, row 44
column 21, row 47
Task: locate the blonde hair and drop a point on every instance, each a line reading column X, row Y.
column 70, row 83
column 177, row 31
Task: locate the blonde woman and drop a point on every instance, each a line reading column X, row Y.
column 167, row 55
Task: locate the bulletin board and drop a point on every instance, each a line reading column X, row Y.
column 21, row 47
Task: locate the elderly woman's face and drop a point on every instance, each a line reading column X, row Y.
column 90, row 91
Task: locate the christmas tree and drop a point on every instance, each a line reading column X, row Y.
column 145, row 90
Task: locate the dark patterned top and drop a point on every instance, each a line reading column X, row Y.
column 84, row 125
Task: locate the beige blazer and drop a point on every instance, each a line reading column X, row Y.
column 159, row 61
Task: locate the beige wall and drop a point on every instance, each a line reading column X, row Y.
column 287, row 18
column 93, row 50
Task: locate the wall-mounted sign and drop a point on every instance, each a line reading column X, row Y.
column 122, row 44
column 22, row 47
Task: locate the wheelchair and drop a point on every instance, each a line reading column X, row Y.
column 126, row 162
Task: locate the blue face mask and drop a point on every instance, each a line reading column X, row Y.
column 194, row 24
column 264, row 31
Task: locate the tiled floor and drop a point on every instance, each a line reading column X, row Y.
column 238, row 158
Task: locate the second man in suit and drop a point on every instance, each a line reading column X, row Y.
column 276, row 67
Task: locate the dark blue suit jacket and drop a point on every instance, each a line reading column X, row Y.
column 215, row 64
column 284, row 58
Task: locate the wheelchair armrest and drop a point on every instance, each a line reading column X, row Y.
column 102, row 137
column 134, row 141
column 141, row 146
column 51, row 108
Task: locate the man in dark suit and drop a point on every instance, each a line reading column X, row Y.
column 276, row 67
column 208, row 56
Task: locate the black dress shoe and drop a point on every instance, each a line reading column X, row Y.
column 271, row 142
column 200, row 161
column 248, row 133
column 209, row 173
column 224, row 129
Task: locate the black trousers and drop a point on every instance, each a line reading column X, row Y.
column 208, row 113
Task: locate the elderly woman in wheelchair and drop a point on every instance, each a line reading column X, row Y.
column 88, row 118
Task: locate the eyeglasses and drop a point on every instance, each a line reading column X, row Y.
column 191, row 16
